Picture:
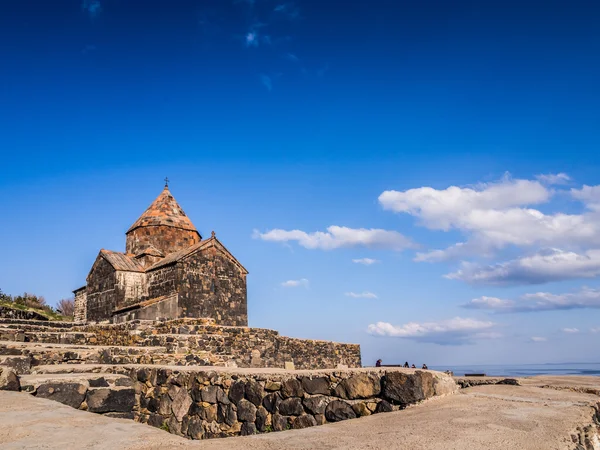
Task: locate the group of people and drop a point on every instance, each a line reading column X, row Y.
column 378, row 364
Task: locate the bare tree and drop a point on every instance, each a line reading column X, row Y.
column 66, row 307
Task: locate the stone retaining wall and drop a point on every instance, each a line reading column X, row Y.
column 200, row 341
column 208, row 404
column 13, row 313
column 239, row 346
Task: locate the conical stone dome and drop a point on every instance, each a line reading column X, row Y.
column 164, row 226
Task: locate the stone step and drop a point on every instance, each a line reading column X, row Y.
column 46, row 323
column 59, row 337
column 110, row 394
column 56, row 354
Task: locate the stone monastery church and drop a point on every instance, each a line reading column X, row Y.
column 166, row 272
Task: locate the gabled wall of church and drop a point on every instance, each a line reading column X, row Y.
column 164, row 238
column 212, row 285
column 163, row 281
column 131, row 288
column 101, row 291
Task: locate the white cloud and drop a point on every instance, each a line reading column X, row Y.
column 542, row 267
column 589, row 195
column 365, row 261
column 570, row 330
column 365, row 294
column 339, row 237
column 295, row 283
column 595, row 330
column 453, row 207
column 538, row 339
column 585, row 298
column 495, row 215
column 554, row 178
column 454, row 331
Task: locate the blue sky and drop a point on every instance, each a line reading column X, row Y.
column 312, row 135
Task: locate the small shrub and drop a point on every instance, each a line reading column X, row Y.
column 165, row 427
column 66, row 307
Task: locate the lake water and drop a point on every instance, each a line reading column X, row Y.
column 524, row 370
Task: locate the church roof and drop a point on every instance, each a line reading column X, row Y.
column 164, row 211
column 121, row 261
column 178, row 256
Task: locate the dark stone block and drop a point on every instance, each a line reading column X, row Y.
column 280, row 423
column 195, row 429
column 271, row 401
column 246, row 411
column 123, row 382
column 406, row 389
column 143, row 375
column 316, row 385
column 104, row 400
column 70, row 394
column 248, row 429
column 98, row 382
column 254, row 392
column 291, row 388
column 162, row 375
column 209, row 394
column 304, row 421
column 236, row 392
column 222, row 397
column 156, row 420
column 291, row 407
column 226, row 414
column 339, row 410
column 261, row 419
column 153, row 404
column 383, row 406
column 316, row 405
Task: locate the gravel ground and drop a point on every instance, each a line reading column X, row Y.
column 486, row 417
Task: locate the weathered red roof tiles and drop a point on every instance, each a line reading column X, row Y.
column 164, row 211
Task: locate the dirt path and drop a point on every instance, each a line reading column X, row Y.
column 484, row 417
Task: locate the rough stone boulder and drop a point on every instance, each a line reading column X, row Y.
column 246, row 411
column 292, row 388
column 291, row 407
column 408, row 388
column 360, row 385
column 339, row 410
column 319, row 385
column 9, row 381
column 105, row 400
column 67, row 393
column 304, row 421
column 316, row 405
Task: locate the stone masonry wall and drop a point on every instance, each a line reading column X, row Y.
column 209, row 404
column 131, row 288
column 211, row 285
column 235, row 346
column 162, row 281
column 165, row 238
column 101, row 291
column 80, row 312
